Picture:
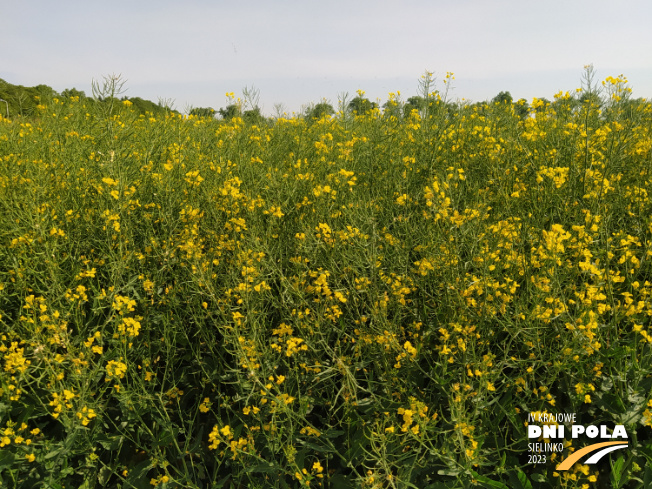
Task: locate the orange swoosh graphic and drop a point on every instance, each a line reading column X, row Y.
column 571, row 459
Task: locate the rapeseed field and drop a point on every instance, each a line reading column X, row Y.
column 373, row 300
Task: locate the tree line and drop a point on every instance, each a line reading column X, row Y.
column 23, row 101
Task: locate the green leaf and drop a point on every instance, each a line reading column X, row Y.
column 486, row 482
column 315, row 447
column 53, row 454
column 538, row 478
column 332, row 433
column 263, row 468
column 611, row 403
column 635, row 412
column 223, row 481
column 104, row 475
column 617, row 471
column 110, row 443
column 341, row 481
column 519, row 480
column 6, row 459
column 139, row 472
column 522, row 478
column 647, row 477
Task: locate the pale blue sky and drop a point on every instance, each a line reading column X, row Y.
column 298, row 52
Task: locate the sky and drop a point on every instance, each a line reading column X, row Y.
column 191, row 53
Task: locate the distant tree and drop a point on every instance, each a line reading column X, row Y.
column 393, row 108
column 229, row 112
column 416, row 102
column 564, row 106
column 22, row 103
column 542, row 104
column 4, row 113
column 253, row 116
column 319, row 110
column 502, row 98
column 106, row 95
column 591, row 98
column 478, row 107
column 143, row 106
column 522, row 108
column 361, row 105
column 73, row 92
column 202, row 112
column 45, row 92
column 22, row 100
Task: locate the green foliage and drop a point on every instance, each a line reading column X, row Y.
column 229, row 112
column 361, row 105
column 542, row 104
column 73, row 92
column 417, row 103
column 202, row 112
column 393, row 108
column 22, row 100
column 590, row 99
column 522, row 108
column 502, row 98
column 319, row 110
column 253, row 116
column 143, row 106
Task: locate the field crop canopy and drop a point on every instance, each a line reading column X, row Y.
column 374, row 298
